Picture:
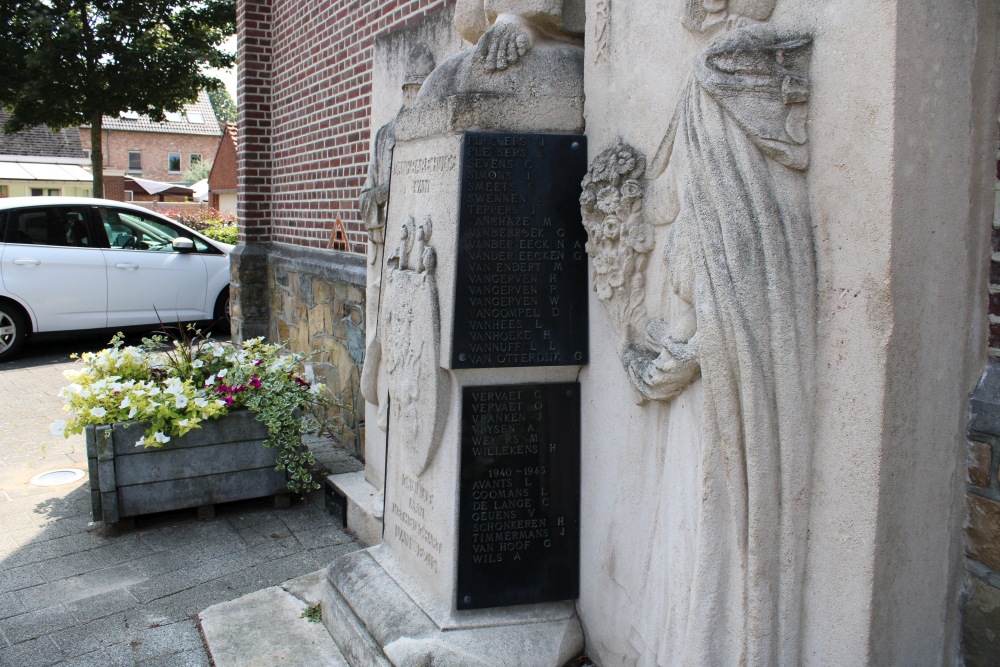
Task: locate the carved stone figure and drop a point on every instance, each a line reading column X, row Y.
column 407, row 344
column 739, row 257
column 375, row 191
column 528, row 58
column 710, row 15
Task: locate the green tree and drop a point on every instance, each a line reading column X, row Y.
column 70, row 62
column 223, row 104
column 197, row 171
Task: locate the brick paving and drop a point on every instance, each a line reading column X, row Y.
column 75, row 593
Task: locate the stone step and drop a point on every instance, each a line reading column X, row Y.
column 265, row 628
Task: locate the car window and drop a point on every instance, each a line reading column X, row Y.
column 131, row 230
column 50, row 225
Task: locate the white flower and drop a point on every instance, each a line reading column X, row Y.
column 139, row 442
column 221, row 374
column 183, row 422
column 181, row 401
column 197, row 363
column 218, row 351
column 154, row 391
column 58, row 428
column 210, row 381
column 201, row 402
column 132, row 412
column 127, row 401
column 161, row 437
column 98, row 412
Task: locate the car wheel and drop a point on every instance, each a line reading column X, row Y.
column 13, row 331
column 222, row 312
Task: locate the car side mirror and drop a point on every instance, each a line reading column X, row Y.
column 182, row 244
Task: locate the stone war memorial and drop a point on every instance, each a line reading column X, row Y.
column 673, row 313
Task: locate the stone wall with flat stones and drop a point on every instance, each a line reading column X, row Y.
column 314, row 302
column 981, row 618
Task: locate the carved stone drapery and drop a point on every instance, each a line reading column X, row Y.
column 739, row 250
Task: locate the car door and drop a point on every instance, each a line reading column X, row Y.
column 52, row 263
column 148, row 281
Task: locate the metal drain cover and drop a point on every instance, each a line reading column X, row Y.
column 56, row 477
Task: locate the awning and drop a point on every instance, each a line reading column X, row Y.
column 43, row 171
column 133, row 184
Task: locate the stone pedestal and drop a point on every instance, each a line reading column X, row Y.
column 481, row 315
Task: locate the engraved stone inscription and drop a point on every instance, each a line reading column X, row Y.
column 521, row 278
column 410, row 512
column 519, row 536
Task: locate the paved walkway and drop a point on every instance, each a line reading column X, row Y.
column 74, row 593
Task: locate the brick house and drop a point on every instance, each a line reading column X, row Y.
column 137, row 146
column 222, row 178
column 316, row 81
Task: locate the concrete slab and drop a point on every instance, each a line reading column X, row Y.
column 263, row 629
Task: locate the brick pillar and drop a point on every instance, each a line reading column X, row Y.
column 114, row 185
column 250, row 275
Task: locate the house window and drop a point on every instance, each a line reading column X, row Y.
column 174, row 116
column 195, row 158
column 174, row 162
column 54, row 192
column 37, row 192
column 86, row 153
column 135, row 160
column 3, row 191
column 195, row 117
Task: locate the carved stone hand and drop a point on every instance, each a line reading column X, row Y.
column 505, row 43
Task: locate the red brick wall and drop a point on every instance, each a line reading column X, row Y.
column 114, row 187
column 253, row 20
column 223, row 174
column 318, row 105
column 994, row 339
column 155, row 147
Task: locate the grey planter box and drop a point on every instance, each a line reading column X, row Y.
column 220, row 462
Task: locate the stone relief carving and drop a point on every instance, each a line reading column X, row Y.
column 739, row 257
column 524, row 50
column 710, row 15
column 407, row 345
column 602, row 23
column 374, row 196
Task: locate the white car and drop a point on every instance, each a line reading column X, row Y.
column 73, row 263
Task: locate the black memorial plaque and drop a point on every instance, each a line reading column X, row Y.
column 519, row 504
column 521, row 278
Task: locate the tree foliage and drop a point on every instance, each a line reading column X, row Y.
column 70, row 62
column 197, row 171
column 223, row 104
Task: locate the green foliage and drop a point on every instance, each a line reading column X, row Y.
column 230, row 234
column 223, row 104
column 210, row 222
column 197, row 171
column 201, row 219
column 174, row 385
column 313, row 613
column 69, row 62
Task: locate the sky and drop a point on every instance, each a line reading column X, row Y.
column 228, row 77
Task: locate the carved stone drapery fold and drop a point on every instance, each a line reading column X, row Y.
column 740, row 251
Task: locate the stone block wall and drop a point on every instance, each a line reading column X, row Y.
column 981, row 620
column 317, row 305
